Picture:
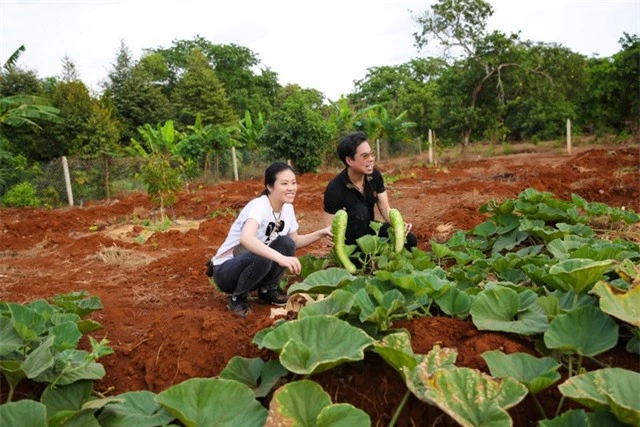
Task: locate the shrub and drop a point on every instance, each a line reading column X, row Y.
column 21, row 195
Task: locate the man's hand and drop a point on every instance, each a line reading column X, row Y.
column 407, row 227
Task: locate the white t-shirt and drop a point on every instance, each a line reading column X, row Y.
column 260, row 210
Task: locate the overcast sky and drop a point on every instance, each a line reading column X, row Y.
column 324, row 45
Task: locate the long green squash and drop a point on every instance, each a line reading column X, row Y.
column 397, row 223
column 339, row 230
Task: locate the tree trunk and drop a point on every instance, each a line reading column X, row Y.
column 217, row 167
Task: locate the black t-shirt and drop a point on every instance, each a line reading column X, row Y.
column 341, row 194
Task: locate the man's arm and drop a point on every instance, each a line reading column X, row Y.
column 383, row 206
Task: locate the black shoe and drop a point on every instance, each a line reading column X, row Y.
column 239, row 306
column 273, row 296
column 209, row 272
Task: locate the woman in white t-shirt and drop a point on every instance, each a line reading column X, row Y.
column 262, row 242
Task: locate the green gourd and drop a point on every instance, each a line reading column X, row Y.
column 339, row 230
column 397, row 223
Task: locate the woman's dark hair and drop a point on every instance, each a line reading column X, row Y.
column 348, row 145
column 271, row 174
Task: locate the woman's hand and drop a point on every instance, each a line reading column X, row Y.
column 328, row 236
column 292, row 263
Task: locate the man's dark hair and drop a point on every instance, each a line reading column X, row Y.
column 348, row 145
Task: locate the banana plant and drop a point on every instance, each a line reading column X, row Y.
column 20, row 110
column 249, row 131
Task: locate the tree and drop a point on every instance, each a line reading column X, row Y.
column 102, row 133
column 611, row 97
column 69, row 70
column 459, row 27
column 200, row 92
column 235, row 68
column 160, row 176
column 137, row 99
column 75, row 104
column 297, row 133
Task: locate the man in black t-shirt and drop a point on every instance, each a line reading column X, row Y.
column 357, row 189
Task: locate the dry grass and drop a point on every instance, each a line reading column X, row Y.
column 125, row 258
column 146, row 294
column 443, row 232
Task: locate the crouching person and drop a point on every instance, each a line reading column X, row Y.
column 262, row 243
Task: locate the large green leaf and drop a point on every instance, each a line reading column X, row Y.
column 298, row 403
column 469, row 396
column 454, row 302
column 24, row 315
column 208, row 402
column 305, row 403
column 67, row 335
column 536, row 374
column 316, row 344
column 339, row 302
column 78, row 302
column 66, row 398
column 23, row 413
column 580, row 418
column 254, row 373
column 503, row 309
column 343, row 415
column 138, row 408
column 396, row 350
column 71, row 366
column 10, row 340
column 322, row 282
column 613, row 389
column 586, row 331
column 621, row 305
column 39, row 360
column 580, row 274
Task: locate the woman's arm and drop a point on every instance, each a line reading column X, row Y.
column 303, row 240
column 251, row 243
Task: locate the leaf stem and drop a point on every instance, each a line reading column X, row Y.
column 539, row 405
column 396, row 415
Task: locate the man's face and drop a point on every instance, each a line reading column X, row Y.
column 364, row 159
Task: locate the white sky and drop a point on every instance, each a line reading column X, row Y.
column 324, row 45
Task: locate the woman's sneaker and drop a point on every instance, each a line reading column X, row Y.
column 239, row 305
column 275, row 296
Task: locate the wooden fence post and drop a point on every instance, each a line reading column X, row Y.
column 568, row 136
column 235, row 163
column 430, row 147
column 67, row 180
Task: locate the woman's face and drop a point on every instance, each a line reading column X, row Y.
column 285, row 187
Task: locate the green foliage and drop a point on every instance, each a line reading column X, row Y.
column 134, row 94
column 297, row 133
column 200, row 92
column 21, row 195
column 162, row 181
column 38, row 341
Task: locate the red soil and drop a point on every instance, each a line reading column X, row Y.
column 167, row 323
